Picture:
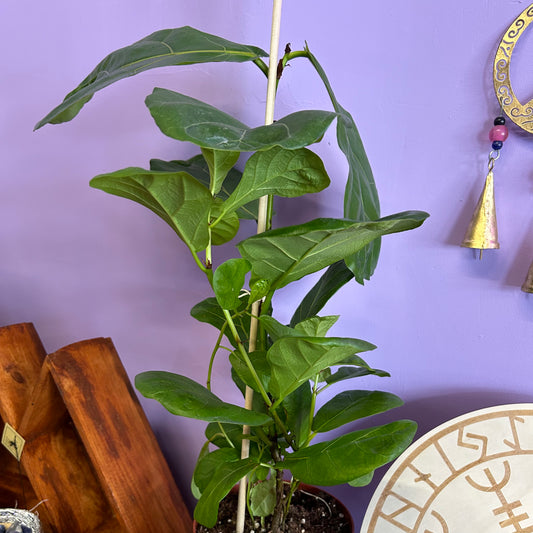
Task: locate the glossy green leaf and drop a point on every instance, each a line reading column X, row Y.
column 361, row 481
column 197, row 166
column 361, row 201
column 224, row 435
column 259, row 289
column 227, row 226
column 206, row 510
column 312, row 327
column 352, row 405
column 180, row 46
column 297, row 407
column 209, row 463
column 287, row 254
column 210, row 312
column 331, row 281
column 219, row 163
column 187, row 119
column 280, row 172
column 196, row 492
column 316, row 326
column 260, row 364
column 350, row 456
column 184, row 397
column 179, row 199
column 263, row 497
column 276, row 330
column 228, row 280
column 347, row 372
column 294, row 360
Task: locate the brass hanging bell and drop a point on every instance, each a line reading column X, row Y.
column 482, row 232
column 528, row 284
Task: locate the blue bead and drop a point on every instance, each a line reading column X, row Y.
column 497, row 145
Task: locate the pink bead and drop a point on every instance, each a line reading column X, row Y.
column 498, row 133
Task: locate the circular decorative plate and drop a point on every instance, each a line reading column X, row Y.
column 473, row 473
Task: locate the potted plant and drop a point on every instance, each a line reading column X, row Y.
column 281, row 369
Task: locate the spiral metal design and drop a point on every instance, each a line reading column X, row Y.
column 520, row 114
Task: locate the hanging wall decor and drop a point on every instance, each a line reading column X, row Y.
column 482, row 232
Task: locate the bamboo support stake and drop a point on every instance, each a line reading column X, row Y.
column 262, row 221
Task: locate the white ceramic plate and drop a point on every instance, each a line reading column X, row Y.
column 473, row 474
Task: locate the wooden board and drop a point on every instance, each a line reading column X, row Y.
column 90, row 451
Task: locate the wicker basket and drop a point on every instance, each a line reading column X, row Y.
column 11, row 518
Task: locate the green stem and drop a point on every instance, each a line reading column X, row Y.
column 245, row 356
column 199, row 263
column 262, row 66
column 313, row 404
column 213, row 353
column 257, row 381
column 225, row 435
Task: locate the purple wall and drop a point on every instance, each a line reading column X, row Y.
column 456, row 333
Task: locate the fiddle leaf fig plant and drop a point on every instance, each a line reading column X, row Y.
column 288, row 366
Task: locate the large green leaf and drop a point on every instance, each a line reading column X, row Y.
column 312, row 327
column 361, row 201
column 352, row 405
column 180, row 46
column 196, row 492
column 263, row 497
column 227, row 225
column 219, row 163
column 349, row 372
column 281, row 172
column 330, row 282
column 184, row 397
column 187, row 119
column 225, row 477
column 219, row 434
column 294, row 360
column 210, row 312
column 316, row 326
column 297, row 407
column 287, row 254
column 197, row 166
column 179, row 199
column 260, row 364
column 228, row 280
column 210, row 463
column 350, row 456
column 276, row 330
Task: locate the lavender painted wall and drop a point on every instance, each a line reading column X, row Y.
column 456, row 333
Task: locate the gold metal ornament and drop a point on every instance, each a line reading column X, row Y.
column 528, row 283
column 520, row 114
column 482, row 232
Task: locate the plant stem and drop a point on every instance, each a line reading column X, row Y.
column 213, row 354
column 278, row 516
column 246, row 358
column 262, row 223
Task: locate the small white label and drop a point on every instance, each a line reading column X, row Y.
column 12, row 441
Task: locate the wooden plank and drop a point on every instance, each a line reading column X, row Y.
column 118, row 439
column 58, row 467
column 15, row 488
column 21, row 356
column 61, row 473
column 46, row 411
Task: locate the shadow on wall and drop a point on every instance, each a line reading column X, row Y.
column 428, row 412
